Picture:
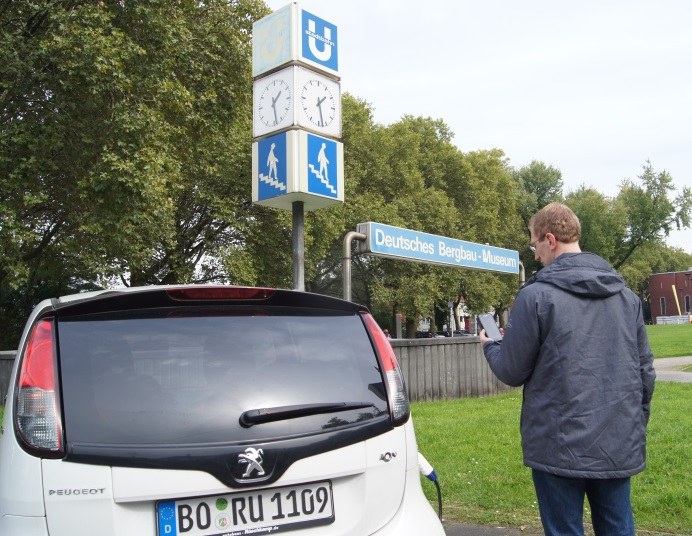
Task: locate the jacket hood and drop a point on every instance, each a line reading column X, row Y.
column 582, row 274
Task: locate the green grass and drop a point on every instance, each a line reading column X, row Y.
column 473, row 444
column 670, row 340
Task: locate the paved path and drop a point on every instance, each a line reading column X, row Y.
column 667, row 370
column 478, row 530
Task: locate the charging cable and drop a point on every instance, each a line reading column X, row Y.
column 428, row 472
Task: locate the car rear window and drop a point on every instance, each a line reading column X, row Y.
column 184, row 376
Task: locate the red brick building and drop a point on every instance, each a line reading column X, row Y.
column 662, row 297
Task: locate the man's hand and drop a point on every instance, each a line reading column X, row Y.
column 484, row 339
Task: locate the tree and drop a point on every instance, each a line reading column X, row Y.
column 56, row 277
column 628, row 230
column 485, row 196
column 539, row 184
column 536, row 185
column 603, row 221
column 650, row 213
column 438, row 189
column 124, row 126
column 640, row 214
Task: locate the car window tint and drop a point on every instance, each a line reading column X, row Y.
column 170, row 377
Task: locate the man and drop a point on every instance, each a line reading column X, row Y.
column 576, row 341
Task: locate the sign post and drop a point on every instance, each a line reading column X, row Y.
column 297, row 158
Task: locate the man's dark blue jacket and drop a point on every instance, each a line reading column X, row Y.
column 576, row 341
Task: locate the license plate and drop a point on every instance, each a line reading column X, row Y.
column 266, row 511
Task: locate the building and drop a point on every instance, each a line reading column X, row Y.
column 669, row 295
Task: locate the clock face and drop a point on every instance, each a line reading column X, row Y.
column 274, row 103
column 318, row 101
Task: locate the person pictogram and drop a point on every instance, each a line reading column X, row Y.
column 323, row 161
column 272, row 160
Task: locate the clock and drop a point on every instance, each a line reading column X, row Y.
column 273, row 102
column 319, row 105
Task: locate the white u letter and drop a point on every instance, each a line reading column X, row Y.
column 326, row 53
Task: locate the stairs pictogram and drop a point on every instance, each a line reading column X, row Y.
column 272, row 182
column 322, row 179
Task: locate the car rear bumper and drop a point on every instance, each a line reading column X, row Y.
column 415, row 515
column 23, row 526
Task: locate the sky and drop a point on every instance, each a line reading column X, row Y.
column 594, row 88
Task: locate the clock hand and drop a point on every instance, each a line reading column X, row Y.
column 319, row 107
column 274, row 100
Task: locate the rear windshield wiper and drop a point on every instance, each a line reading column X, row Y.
column 264, row 415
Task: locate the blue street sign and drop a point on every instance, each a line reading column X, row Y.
column 323, row 170
column 319, row 41
column 272, row 167
column 405, row 244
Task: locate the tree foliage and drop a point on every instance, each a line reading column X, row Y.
column 539, row 184
column 603, row 221
column 125, row 139
column 650, row 212
column 629, row 229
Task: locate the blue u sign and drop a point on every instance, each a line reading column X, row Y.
column 319, row 41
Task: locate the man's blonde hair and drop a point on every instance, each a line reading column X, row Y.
column 557, row 219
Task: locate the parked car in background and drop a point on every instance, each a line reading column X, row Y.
column 207, row 410
column 459, row 333
column 441, row 334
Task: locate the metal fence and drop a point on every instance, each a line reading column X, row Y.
column 682, row 319
column 434, row 369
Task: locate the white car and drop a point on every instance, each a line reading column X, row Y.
column 207, row 410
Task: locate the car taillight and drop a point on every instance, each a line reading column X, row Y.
column 37, row 415
column 203, row 293
column 396, row 389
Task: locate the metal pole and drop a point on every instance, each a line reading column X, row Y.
column 298, row 246
column 346, row 264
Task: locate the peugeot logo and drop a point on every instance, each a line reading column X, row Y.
column 253, row 458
